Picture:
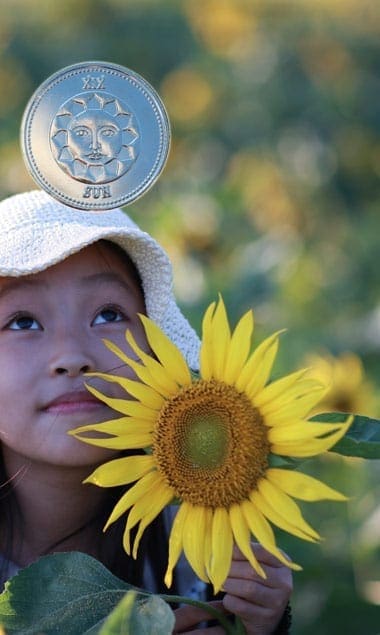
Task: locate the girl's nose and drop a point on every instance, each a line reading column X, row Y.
column 71, row 360
column 71, row 368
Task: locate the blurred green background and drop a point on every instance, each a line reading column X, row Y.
column 270, row 196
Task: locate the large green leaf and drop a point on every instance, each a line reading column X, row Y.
column 73, row 594
column 362, row 438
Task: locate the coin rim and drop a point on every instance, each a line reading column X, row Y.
column 162, row 119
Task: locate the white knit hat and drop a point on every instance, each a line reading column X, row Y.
column 37, row 231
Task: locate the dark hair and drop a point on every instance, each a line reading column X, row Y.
column 153, row 549
column 119, row 251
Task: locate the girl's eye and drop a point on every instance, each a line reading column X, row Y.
column 109, row 314
column 24, row 323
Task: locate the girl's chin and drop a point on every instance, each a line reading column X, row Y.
column 66, row 451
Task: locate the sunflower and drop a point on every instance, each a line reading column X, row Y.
column 209, row 444
column 350, row 389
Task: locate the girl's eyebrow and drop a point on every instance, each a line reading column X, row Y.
column 108, row 277
column 19, row 284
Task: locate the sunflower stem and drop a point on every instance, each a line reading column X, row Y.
column 239, row 627
column 230, row 628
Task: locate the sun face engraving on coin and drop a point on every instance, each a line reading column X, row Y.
column 95, row 136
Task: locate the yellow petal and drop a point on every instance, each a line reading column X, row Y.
column 160, row 376
column 133, row 440
column 222, row 545
column 205, row 355
column 207, row 539
column 295, row 404
column 302, row 486
column 193, row 533
column 273, row 390
column 286, row 510
column 262, row 530
column 175, row 541
column 302, row 387
column 168, row 354
column 253, row 371
column 132, row 495
column 142, row 507
column 300, row 431
column 127, row 541
column 242, row 536
column 311, row 447
column 239, row 348
column 136, row 389
column 221, row 338
column 161, row 495
column 121, row 471
column 120, row 508
column 262, row 371
column 140, row 370
column 125, row 406
column 121, row 426
column 117, row 351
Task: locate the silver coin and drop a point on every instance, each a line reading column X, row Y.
column 95, row 135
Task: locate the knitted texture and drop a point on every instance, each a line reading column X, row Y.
column 37, row 232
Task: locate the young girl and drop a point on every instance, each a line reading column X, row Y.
column 69, row 279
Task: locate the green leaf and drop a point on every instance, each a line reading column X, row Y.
column 143, row 615
column 362, row 439
column 284, row 462
column 69, row 593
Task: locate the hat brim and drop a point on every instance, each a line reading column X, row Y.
column 38, row 232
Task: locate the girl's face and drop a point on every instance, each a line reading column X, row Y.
column 51, row 329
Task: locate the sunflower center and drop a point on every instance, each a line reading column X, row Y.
column 205, row 440
column 211, row 444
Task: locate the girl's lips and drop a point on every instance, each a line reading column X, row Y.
column 69, row 403
column 71, row 407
